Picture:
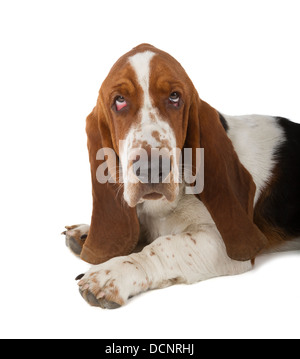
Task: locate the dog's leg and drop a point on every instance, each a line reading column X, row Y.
column 75, row 237
column 182, row 258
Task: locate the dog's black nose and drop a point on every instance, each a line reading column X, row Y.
column 155, row 170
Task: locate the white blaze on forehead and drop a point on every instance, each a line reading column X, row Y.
column 141, row 65
column 150, row 119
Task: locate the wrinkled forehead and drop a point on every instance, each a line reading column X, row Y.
column 143, row 69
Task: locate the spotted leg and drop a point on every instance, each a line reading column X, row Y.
column 182, row 258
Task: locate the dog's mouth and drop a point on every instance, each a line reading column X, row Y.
column 139, row 192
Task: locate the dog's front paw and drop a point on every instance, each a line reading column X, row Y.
column 75, row 237
column 111, row 284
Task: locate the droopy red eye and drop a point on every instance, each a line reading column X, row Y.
column 174, row 99
column 120, row 103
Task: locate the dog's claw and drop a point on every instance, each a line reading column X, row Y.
column 80, row 276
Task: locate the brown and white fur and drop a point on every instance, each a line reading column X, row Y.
column 179, row 240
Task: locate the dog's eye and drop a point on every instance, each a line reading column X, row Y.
column 120, row 103
column 174, row 99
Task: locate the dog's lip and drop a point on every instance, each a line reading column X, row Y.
column 153, row 196
column 151, row 191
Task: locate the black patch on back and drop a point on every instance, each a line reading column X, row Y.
column 282, row 208
column 223, row 122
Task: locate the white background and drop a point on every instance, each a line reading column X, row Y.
column 243, row 57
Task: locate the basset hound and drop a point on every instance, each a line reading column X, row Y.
column 147, row 234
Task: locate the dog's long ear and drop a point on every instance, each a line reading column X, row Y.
column 229, row 189
column 114, row 227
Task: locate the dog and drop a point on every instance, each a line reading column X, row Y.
column 150, row 232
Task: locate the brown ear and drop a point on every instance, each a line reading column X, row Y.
column 229, row 189
column 114, row 227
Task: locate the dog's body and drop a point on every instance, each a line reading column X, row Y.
column 179, row 239
column 260, row 141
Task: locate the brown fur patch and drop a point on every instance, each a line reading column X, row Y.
column 128, row 262
column 156, row 135
column 176, row 281
column 114, row 296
